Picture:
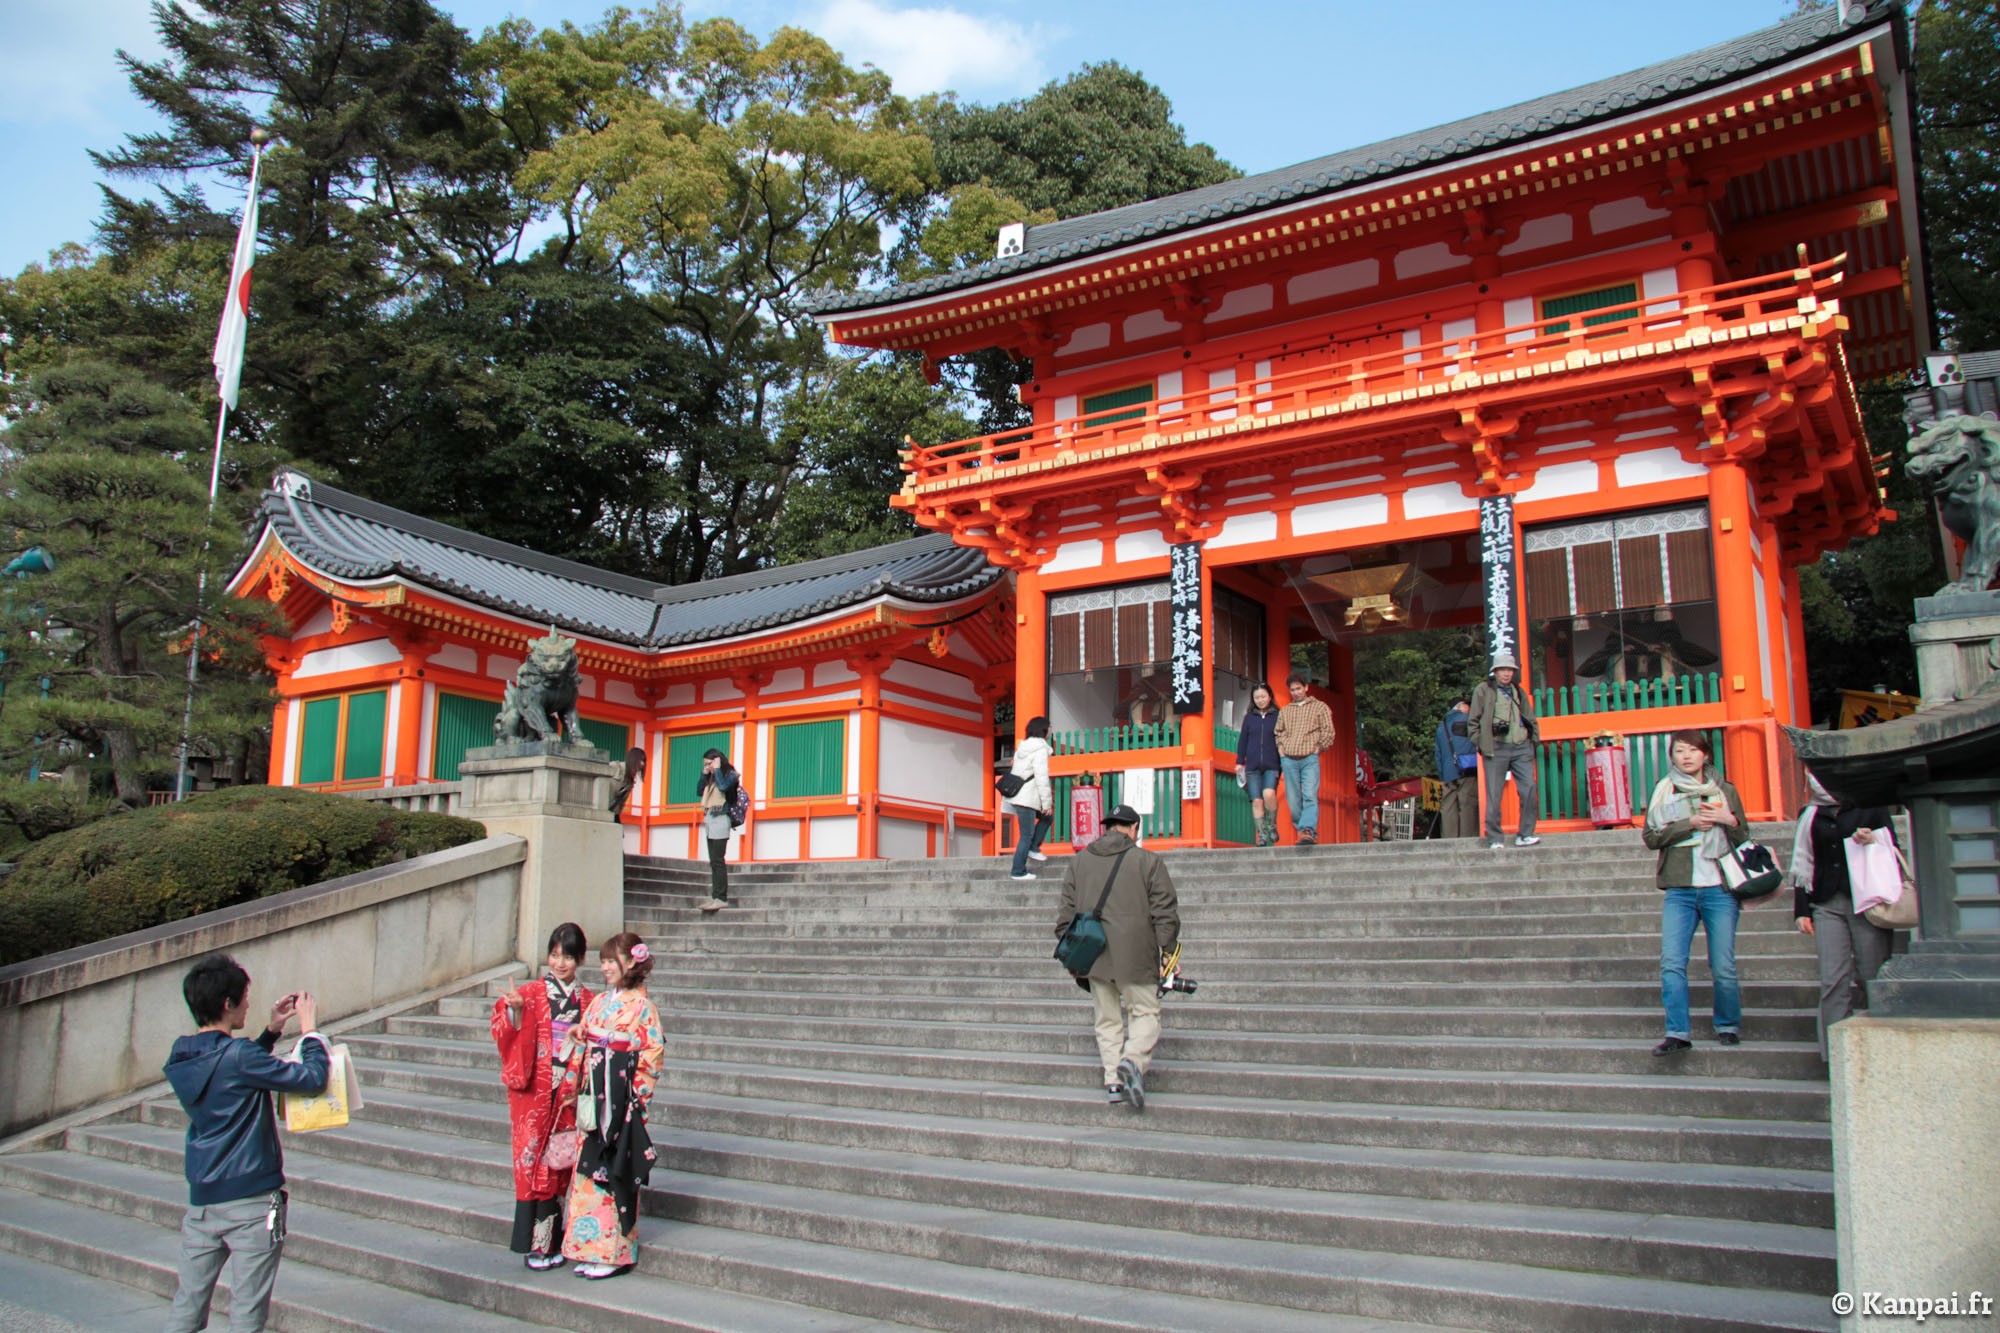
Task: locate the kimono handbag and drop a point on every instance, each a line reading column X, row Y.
column 305, row 1112
column 1083, row 939
column 1749, row 871
column 563, row 1147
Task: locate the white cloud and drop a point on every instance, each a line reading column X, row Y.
column 927, row 49
column 59, row 59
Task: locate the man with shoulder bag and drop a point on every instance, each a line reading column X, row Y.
column 1506, row 731
column 1128, row 890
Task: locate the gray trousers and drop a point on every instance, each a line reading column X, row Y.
column 1852, row 950
column 1520, row 761
column 1458, row 811
column 235, row 1230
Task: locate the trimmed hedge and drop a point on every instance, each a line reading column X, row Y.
column 165, row 863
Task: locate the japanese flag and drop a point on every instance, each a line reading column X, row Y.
column 236, row 304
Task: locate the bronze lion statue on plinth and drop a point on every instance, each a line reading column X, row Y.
column 1957, row 459
column 542, row 695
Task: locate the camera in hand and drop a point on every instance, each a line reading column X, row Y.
column 1175, row 981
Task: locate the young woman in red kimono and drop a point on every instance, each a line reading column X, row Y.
column 532, row 1027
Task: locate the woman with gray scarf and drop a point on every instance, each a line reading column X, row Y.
column 1851, row 948
column 1693, row 819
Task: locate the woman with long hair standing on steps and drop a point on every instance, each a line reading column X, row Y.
column 532, row 1028
column 617, row 1061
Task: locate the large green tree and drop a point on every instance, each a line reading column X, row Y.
column 107, row 474
column 1958, row 125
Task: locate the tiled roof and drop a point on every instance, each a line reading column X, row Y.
column 352, row 539
column 1075, row 238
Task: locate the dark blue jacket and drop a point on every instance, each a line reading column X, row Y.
column 225, row 1083
column 1257, row 746
column 1453, row 741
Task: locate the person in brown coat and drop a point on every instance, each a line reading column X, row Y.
column 1142, row 922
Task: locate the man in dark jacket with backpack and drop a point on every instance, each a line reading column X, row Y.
column 1142, row 924
column 235, row 1169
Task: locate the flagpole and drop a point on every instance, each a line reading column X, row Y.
column 258, row 138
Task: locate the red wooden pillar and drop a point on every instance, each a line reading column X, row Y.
column 1031, row 648
column 869, row 807
column 1336, row 764
column 1736, row 605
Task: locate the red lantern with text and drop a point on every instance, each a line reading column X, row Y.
column 1608, row 773
column 1086, row 813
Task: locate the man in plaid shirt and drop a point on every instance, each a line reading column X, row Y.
column 1305, row 727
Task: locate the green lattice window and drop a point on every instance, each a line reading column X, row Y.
column 463, row 723
column 1609, row 304
column 610, row 737
column 809, row 759
column 1102, row 409
column 684, row 763
column 342, row 738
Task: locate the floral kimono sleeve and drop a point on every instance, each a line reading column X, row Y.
column 652, row 1052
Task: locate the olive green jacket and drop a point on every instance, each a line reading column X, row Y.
column 1676, row 868
column 1142, row 917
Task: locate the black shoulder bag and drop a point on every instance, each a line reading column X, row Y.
column 1083, row 939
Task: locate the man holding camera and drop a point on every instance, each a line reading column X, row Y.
column 1504, row 727
column 235, row 1168
column 1142, row 924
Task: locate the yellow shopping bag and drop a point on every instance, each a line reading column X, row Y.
column 304, row 1113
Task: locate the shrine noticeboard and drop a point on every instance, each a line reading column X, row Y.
column 1184, row 597
column 1498, row 567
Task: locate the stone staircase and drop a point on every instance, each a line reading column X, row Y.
column 1414, row 1089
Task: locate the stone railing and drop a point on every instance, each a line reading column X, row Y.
column 439, row 798
column 87, row 1024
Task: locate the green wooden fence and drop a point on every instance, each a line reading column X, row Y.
column 1106, row 740
column 1164, row 822
column 1618, row 696
column 1232, row 811
column 1565, row 790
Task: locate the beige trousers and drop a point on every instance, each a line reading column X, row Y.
column 1116, row 1038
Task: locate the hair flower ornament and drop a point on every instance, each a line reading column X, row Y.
column 640, row 953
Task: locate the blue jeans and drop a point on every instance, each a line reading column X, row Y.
column 1717, row 911
column 1033, row 826
column 1302, row 791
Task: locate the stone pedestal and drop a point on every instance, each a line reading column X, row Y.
column 1916, row 1165
column 1955, row 636
column 557, row 798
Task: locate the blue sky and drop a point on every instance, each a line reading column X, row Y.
column 1267, row 84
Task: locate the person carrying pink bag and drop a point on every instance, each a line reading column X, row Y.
column 1852, row 948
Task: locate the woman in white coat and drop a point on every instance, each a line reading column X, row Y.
column 1035, row 804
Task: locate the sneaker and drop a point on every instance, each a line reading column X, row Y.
column 542, row 1263
column 1672, row 1046
column 1038, row 856
column 1307, row 837
column 1728, row 1039
column 1528, row 841
column 1135, row 1084
column 1024, row 875
column 1114, row 1094
column 713, row 905
column 1496, row 846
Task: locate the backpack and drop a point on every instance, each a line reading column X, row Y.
column 739, row 805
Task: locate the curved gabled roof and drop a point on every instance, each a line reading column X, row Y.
column 346, row 537
column 1076, row 238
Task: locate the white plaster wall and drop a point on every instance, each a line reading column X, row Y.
column 776, row 839
column 1222, row 389
column 833, row 673
column 1520, row 310
column 1089, row 338
column 1649, row 465
column 1147, row 324
column 924, row 764
column 1622, row 213
column 1538, row 232
column 1333, row 281
column 1456, row 329
column 1066, row 407
column 294, row 719
column 1658, row 284
column 967, row 842
column 1243, row 301
column 319, row 622
column 1075, row 555
column 1763, row 628
column 681, row 695
column 839, row 835
column 1445, row 497
column 348, row 657
column 1242, row 529
column 1436, row 257
column 1561, row 479
column 897, row 840
column 455, row 657
column 920, row 677
column 716, row 689
column 1167, row 391
column 1356, row 511
column 427, row 733
column 1141, row 545
column 621, row 692
column 761, row 787
column 501, row 667
column 852, row 744
column 787, row 681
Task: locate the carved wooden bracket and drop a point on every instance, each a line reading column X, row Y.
column 751, row 679
column 1176, row 489
column 1486, row 435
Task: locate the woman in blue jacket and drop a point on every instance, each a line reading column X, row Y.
column 1257, row 762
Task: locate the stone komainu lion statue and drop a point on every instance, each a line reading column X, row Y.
column 542, row 695
column 1957, row 459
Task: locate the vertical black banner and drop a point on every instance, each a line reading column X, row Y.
column 1498, row 564
column 1185, row 597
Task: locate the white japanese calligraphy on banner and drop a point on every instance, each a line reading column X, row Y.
column 1497, row 562
column 1184, row 595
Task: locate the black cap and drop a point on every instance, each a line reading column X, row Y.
column 1122, row 814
